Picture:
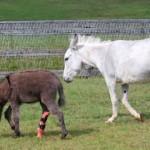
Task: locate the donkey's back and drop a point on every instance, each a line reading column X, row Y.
column 32, row 76
column 29, row 85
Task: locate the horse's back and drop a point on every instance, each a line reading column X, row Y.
column 131, row 60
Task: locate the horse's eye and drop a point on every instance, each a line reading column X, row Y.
column 66, row 59
column 74, row 49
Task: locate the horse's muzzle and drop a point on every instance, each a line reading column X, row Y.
column 67, row 80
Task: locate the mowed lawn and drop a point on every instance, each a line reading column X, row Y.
column 72, row 9
column 88, row 106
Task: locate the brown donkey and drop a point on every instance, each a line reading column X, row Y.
column 28, row 87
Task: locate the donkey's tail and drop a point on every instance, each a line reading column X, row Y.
column 61, row 100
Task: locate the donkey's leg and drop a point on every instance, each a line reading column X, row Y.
column 111, row 84
column 8, row 113
column 125, row 102
column 42, row 123
column 54, row 109
column 15, row 117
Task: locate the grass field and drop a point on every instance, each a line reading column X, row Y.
column 85, row 115
column 34, row 43
column 25, row 63
column 88, row 104
column 71, row 9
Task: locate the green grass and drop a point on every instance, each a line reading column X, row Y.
column 88, row 106
column 88, row 103
column 72, row 9
column 34, row 43
column 22, row 63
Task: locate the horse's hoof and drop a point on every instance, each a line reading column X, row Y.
column 109, row 121
column 141, row 118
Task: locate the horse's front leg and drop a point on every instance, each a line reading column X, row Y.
column 15, row 117
column 111, row 84
column 125, row 102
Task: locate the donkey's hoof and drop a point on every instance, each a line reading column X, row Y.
column 13, row 127
column 17, row 134
column 64, row 134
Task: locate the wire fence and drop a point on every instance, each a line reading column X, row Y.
column 41, row 44
column 53, row 35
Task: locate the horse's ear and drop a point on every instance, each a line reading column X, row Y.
column 74, row 40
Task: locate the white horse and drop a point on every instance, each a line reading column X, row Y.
column 123, row 61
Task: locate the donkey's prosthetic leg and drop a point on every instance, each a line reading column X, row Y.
column 42, row 123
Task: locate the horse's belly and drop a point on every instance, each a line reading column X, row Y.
column 131, row 78
column 134, row 70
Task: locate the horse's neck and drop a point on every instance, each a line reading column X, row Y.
column 95, row 55
column 87, row 58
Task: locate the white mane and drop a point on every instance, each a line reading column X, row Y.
column 88, row 39
column 82, row 40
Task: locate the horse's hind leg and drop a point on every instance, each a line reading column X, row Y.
column 54, row 109
column 8, row 113
column 125, row 102
column 42, row 123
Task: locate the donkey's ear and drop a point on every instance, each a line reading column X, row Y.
column 74, row 40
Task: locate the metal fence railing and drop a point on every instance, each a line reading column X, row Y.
column 119, row 26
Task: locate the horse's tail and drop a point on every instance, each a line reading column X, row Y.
column 61, row 100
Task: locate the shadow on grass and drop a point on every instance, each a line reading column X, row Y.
column 146, row 115
column 72, row 133
column 126, row 117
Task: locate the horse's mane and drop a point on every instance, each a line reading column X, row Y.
column 82, row 39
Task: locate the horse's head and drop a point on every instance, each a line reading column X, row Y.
column 72, row 60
